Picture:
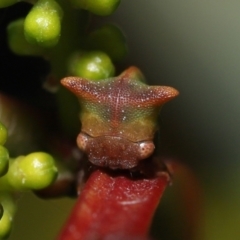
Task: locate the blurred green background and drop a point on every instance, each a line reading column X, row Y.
column 195, row 47
column 37, row 219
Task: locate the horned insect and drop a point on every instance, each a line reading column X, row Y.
column 118, row 117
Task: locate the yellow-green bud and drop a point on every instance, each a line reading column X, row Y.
column 8, row 202
column 17, row 41
column 5, row 225
column 9, row 208
column 34, row 171
column 3, row 134
column 1, row 210
column 4, row 160
column 93, row 65
column 42, row 25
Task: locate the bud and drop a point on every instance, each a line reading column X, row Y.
column 42, row 25
column 17, row 41
column 4, row 160
column 9, row 208
column 34, row 171
column 93, row 65
column 3, row 134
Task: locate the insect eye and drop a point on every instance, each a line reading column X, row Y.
column 146, row 149
column 82, row 141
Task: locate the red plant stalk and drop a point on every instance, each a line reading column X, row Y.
column 114, row 207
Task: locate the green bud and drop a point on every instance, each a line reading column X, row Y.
column 3, row 134
column 4, row 160
column 98, row 7
column 34, row 171
column 109, row 39
column 8, row 202
column 6, row 3
column 1, row 210
column 5, row 225
column 93, row 65
column 9, row 208
column 42, row 25
column 17, row 41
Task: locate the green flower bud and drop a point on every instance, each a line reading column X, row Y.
column 34, row 171
column 4, row 160
column 109, row 39
column 93, row 65
column 17, row 41
column 8, row 202
column 98, row 7
column 6, row 3
column 9, row 208
column 42, row 25
column 3, row 134
column 1, row 210
column 5, row 225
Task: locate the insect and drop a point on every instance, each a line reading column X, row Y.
column 118, row 117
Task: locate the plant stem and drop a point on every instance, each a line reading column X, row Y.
column 115, row 207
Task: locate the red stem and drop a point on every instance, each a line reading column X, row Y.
column 114, row 207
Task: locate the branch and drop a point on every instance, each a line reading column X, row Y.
column 115, row 206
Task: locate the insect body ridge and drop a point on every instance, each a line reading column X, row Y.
column 119, row 117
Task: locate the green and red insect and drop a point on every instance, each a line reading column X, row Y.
column 119, row 117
